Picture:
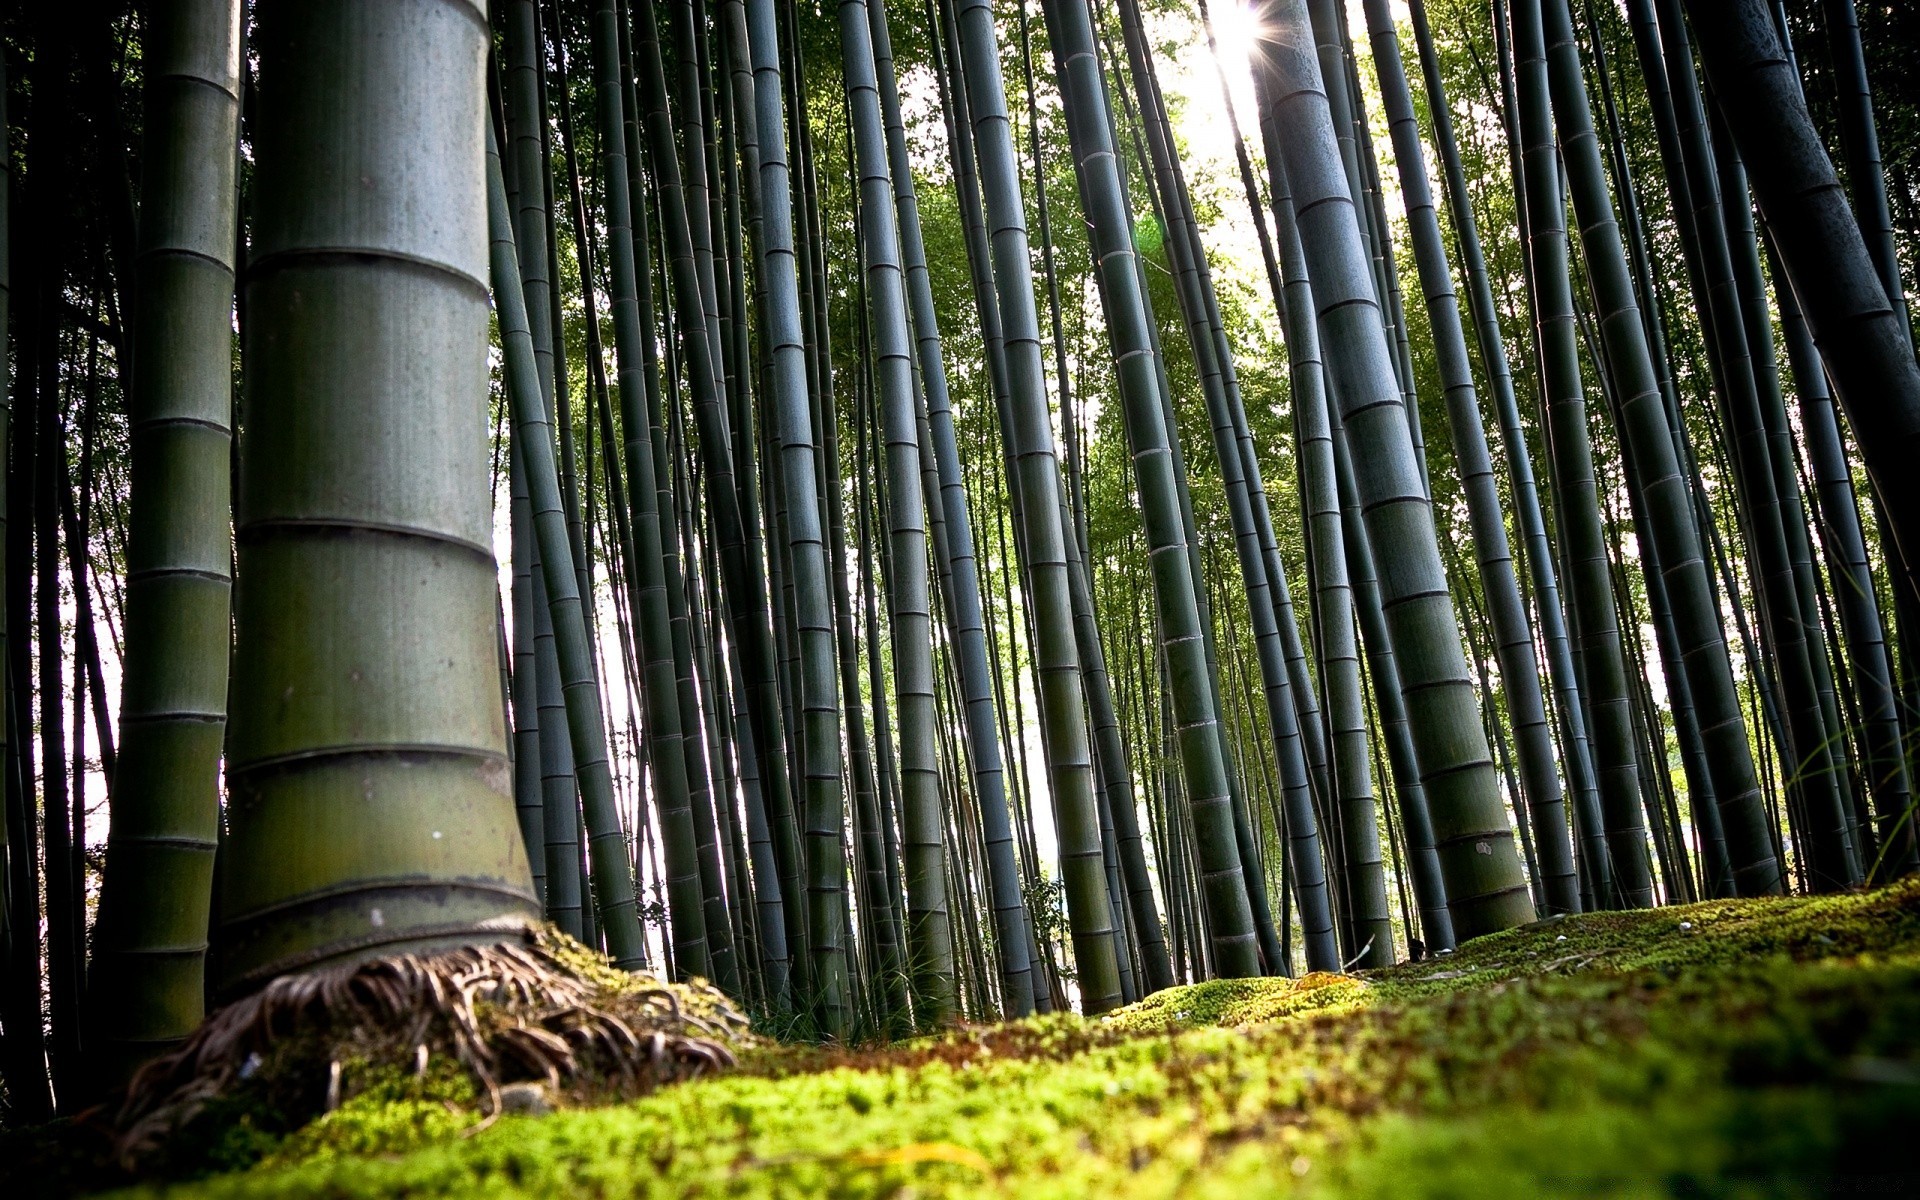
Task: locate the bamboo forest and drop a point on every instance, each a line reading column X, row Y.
column 911, row 598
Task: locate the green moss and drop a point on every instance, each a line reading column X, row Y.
column 1241, row 1002
column 1759, row 1050
column 395, row 1111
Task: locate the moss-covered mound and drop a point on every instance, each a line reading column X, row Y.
column 387, row 1052
column 1733, row 1048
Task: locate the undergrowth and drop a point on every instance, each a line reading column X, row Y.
column 1737, row 1048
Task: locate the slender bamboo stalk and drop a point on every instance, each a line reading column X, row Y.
column 1511, row 632
column 1030, row 441
column 1701, row 792
column 968, row 635
column 1128, row 315
column 929, row 934
column 1486, row 888
column 1596, row 619
column 1365, row 927
column 25, row 1045
column 768, row 882
column 150, row 950
column 612, row 870
column 1866, row 346
column 651, row 611
column 806, row 548
column 524, row 706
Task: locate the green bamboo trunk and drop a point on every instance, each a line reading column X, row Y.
column 528, row 787
column 1703, row 648
column 1512, row 634
column 371, row 808
column 929, row 934
column 1867, row 351
column 1011, row 935
column 1789, row 594
column 1394, row 736
column 612, row 868
column 1309, row 797
column 667, row 743
column 744, row 578
column 150, row 947
column 767, row 883
column 806, row 548
column 706, row 210
column 1367, row 930
column 1240, row 469
column 1596, row 622
column 1596, row 879
column 1716, row 872
column 1486, row 888
column 1030, row 439
column 1230, row 919
column 559, row 792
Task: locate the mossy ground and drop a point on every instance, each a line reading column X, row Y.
column 1724, row 1049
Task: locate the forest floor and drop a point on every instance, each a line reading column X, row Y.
column 1732, row 1048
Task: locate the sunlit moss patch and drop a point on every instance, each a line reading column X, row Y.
column 1731, row 1048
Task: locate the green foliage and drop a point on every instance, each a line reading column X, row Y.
column 1729, row 1048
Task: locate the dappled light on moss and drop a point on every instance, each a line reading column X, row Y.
column 1240, row 1002
column 1676, row 1050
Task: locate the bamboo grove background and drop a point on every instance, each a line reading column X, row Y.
column 999, row 507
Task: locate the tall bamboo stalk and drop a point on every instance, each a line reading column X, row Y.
column 1512, row 634
column 806, row 549
column 370, row 804
column 968, row 635
column 1111, row 243
column 1029, row 436
column 929, row 933
column 612, row 869
column 667, row 743
column 1643, row 415
column 1866, row 346
column 1486, row 889
column 1596, row 621
column 1355, row 839
column 150, row 949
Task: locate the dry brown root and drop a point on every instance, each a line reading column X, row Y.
column 539, row 1008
